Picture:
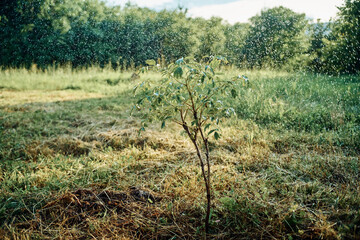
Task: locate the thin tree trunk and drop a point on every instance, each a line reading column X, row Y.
column 205, row 176
column 207, row 186
column 208, row 189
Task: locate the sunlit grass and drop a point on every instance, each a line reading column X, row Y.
column 287, row 166
column 95, row 79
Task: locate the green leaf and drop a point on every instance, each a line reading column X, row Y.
column 150, row 62
column 207, row 126
column 233, row 93
column 178, row 72
column 203, row 78
column 216, row 135
column 140, row 101
column 213, row 131
column 163, row 124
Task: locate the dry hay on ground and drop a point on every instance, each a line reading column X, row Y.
column 84, row 213
column 117, row 140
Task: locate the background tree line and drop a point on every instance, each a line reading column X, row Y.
column 86, row 32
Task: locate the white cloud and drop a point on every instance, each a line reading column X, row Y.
column 141, row 3
column 241, row 11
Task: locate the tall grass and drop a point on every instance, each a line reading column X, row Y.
column 305, row 102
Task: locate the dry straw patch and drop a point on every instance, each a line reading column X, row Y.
column 130, row 214
column 244, row 193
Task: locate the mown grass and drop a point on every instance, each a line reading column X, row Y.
column 287, row 167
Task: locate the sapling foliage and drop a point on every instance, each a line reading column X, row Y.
column 191, row 95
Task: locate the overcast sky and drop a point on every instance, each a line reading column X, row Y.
column 241, row 10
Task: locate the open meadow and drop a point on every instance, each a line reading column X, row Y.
column 72, row 165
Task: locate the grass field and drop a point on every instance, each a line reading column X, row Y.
column 72, row 165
